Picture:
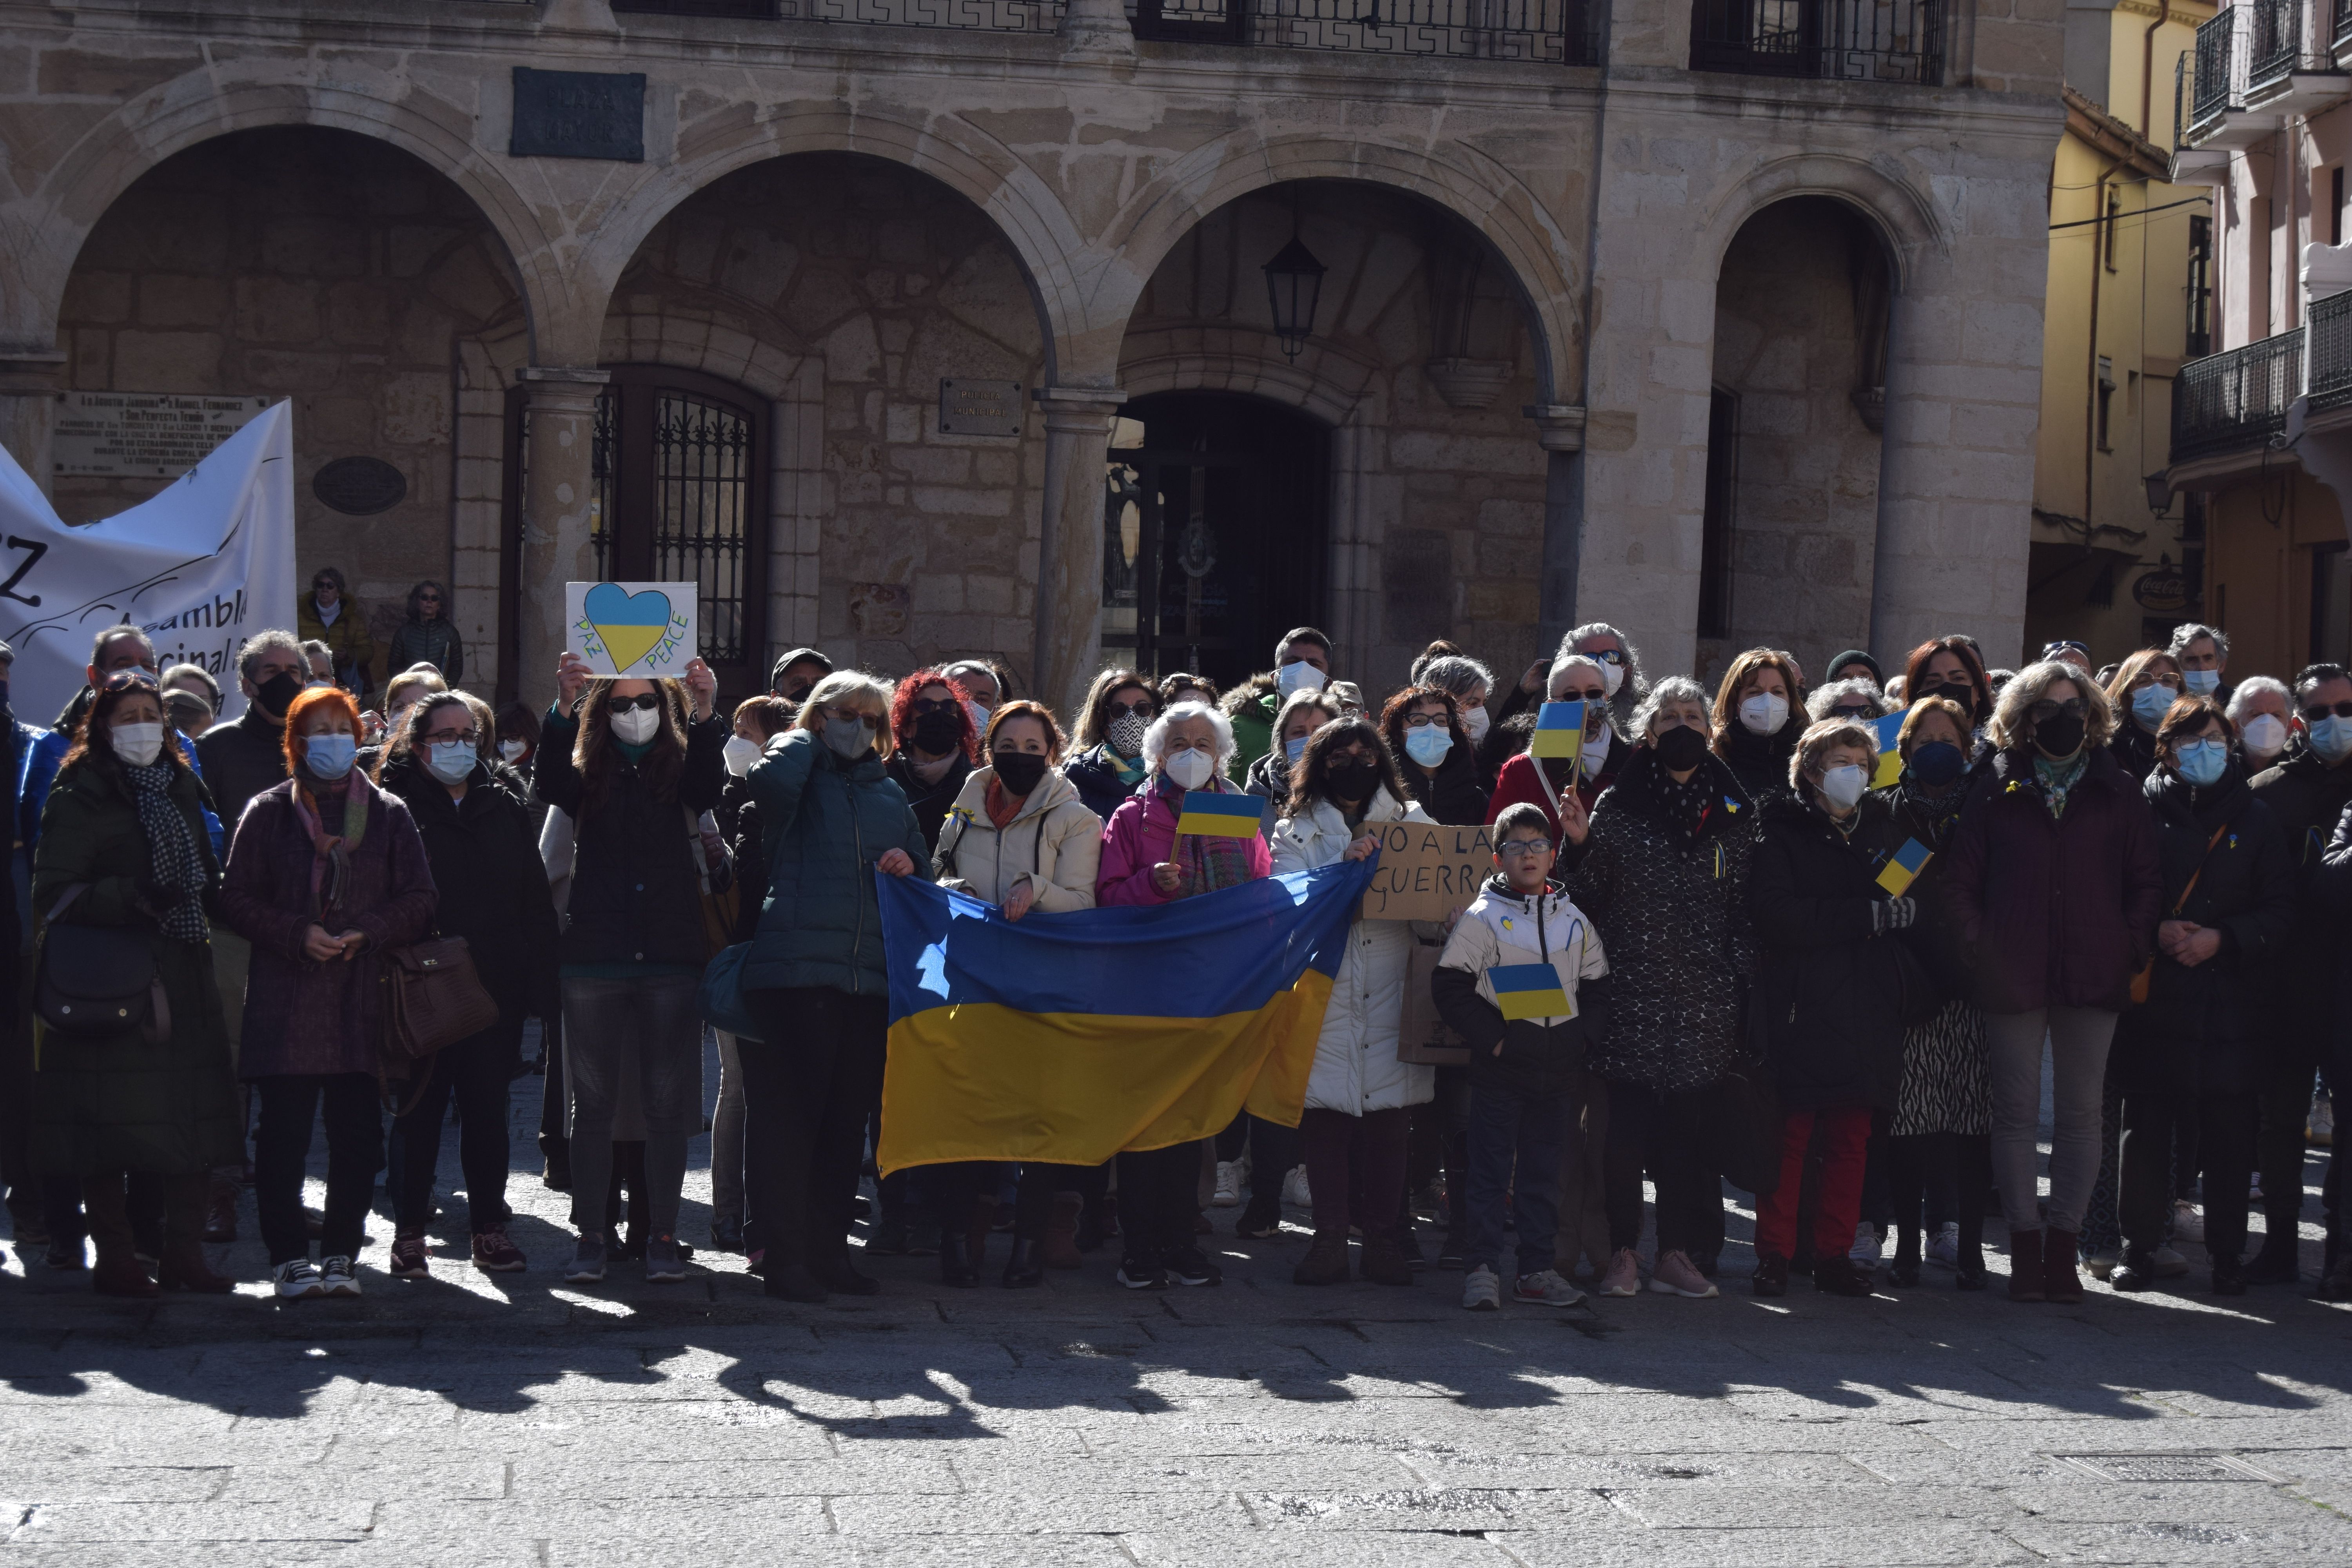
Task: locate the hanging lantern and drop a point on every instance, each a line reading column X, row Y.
column 1294, row 281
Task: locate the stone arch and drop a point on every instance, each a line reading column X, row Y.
column 1903, row 217
column 1324, row 381
column 167, row 120
column 1032, row 221
column 1489, row 198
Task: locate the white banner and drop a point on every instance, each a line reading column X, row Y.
column 199, row 568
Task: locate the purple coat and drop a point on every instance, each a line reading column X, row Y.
column 2054, row 912
column 300, row 1015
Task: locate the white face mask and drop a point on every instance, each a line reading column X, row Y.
column 1189, row 768
column 1298, row 676
column 636, row 726
column 1595, row 752
column 1474, row 725
column 511, row 750
column 741, row 754
column 2265, row 735
column 1843, row 784
column 1613, row 676
column 138, row 744
column 1764, row 713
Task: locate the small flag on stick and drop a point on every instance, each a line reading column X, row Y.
column 1890, row 761
column 1216, row 816
column 1530, row 991
column 1560, row 731
column 1904, row 869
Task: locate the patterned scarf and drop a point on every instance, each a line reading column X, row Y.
column 1208, row 862
column 174, row 849
column 1935, row 813
column 331, row 861
column 2057, row 778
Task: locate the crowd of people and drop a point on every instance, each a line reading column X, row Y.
column 1824, row 937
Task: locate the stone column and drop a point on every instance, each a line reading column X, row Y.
column 559, row 492
column 29, row 407
column 1098, row 29
column 1068, row 602
column 1559, row 431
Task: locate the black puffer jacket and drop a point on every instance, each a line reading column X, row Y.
column 1760, row 763
column 930, row 803
column 2201, row 1030
column 484, row 854
column 635, row 898
column 2133, row 748
column 739, row 823
column 1674, row 917
column 1837, row 981
column 2308, row 798
column 1455, row 795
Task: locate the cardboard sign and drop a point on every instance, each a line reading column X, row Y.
column 643, row 630
column 1422, row 1037
column 1427, row 871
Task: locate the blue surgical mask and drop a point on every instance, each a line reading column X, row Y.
column 2202, row 763
column 330, row 756
column 2332, row 737
column 1427, row 745
column 452, row 762
column 2202, row 682
column 2152, row 703
column 1295, row 748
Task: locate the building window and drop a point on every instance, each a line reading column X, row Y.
column 2258, row 270
column 1722, row 493
column 2114, row 221
column 2106, row 400
column 2201, row 288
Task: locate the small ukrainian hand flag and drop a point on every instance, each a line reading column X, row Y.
column 1908, row 862
column 1890, row 761
column 1530, row 991
column 1560, row 731
column 1216, row 816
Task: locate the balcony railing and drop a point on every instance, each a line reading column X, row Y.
column 2342, row 32
column 968, row 15
column 2282, row 38
column 2328, row 360
column 1843, row 40
column 2232, row 401
column 2218, row 84
column 1550, row 32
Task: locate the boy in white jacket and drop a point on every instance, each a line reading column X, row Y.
column 1523, row 980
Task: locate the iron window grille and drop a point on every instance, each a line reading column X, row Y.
column 2282, row 39
column 971, row 16
column 2329, row 371
column 1547, row 32
column 2239, row 399
column 2218, row 84
column 1839, row 40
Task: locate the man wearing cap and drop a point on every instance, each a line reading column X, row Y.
column 797, row 673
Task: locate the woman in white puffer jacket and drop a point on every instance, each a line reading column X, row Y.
column 1357, row 1095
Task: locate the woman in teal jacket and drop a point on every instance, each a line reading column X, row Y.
column 814, row 980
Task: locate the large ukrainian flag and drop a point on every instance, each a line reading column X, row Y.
column 1068, row 1037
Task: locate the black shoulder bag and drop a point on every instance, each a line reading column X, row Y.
column 96, row 980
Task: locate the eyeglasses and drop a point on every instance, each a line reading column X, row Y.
column 1608, row 656
column 871, row 721
column 1849, row 711
column 2052, row 650
column 2315, row 714
column 933, row 705
column 1423, row 720
column 642, row 700
column 2073, row 708
column 471, row 737
column 2146, row 679
column 1119, row 710
column 1521, row 849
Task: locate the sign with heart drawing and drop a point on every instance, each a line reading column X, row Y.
column 638, row 629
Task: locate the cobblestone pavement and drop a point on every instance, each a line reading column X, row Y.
column 479, row 1420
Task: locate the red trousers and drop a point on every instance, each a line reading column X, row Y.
column 1845, row 1147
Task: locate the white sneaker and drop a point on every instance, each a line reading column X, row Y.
column 2166, row 1264
column 2099, row 1265
column 1946, row 1247
column 1481, row 1291
column 2188, row 1224
column 1294, row 1189
column 2319, row 1132
column 1229, row 1185
column 296, row 1281
column 1545, row 1288
column 338, row 1277
column 1865, row 1248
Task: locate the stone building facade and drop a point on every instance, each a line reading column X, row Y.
column 702, row 304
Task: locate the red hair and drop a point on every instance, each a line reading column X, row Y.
column 315, row 697
column 902, row 711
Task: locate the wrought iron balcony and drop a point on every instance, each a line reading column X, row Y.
column 966, row 15
column 2290, row 69
column 2237, row 400
column 1843, row 40
column 1550, row 32
column 2328, row 370
column 2342, row 32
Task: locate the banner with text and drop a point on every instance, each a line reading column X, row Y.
column 199, row 568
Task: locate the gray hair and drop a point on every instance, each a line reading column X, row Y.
column 201, row 674
column 2253, row 686
column 2187, row 632
column 1458, row 674
column 2012, row 724
column 1818, row 705
column 1636, row 682
column 115, row 634
column 1822, row 738
column 1673, row 689
column 1155, row 740
column 1568, row 661
column 260, row 645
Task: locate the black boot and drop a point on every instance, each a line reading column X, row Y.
column 956, row 1264
column 2276, row 1263
column 1904, row 1270
column 1026, row 1267
column 836, row 1274
column 2132, row 1270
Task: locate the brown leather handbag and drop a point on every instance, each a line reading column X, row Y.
column 431, row 999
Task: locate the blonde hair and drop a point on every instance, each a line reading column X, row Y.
column 2012, row 719
column 850, row 688
column 1923, row 709
column 407, row 680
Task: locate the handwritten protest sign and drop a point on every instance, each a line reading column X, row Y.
column 640, row 629
column 1427, row 871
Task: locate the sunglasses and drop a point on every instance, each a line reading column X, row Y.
column 1119, row 710
column 2341, row 710
column 642, row 700
column 131, row 680
column 2073, row 708
column 1608, row 656
column 934, row 705
column 1849, row 712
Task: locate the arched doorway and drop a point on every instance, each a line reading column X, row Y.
column 681, row 495
column 1215, row 532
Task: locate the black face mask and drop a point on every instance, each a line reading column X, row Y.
column 1018, row 771
column 1680, row 749
column 276, row 694
column 1353, row 781
column 796, row 694
column 938, row 732
column 1938, row 763
column 2058, row 737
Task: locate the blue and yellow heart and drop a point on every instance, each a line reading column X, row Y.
column 631, row 625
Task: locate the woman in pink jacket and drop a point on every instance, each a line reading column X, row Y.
column 1144, row 862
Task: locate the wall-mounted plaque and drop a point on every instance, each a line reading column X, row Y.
column 143, row 435
column 579, row 114
column 360, row 486
column 969, row 408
